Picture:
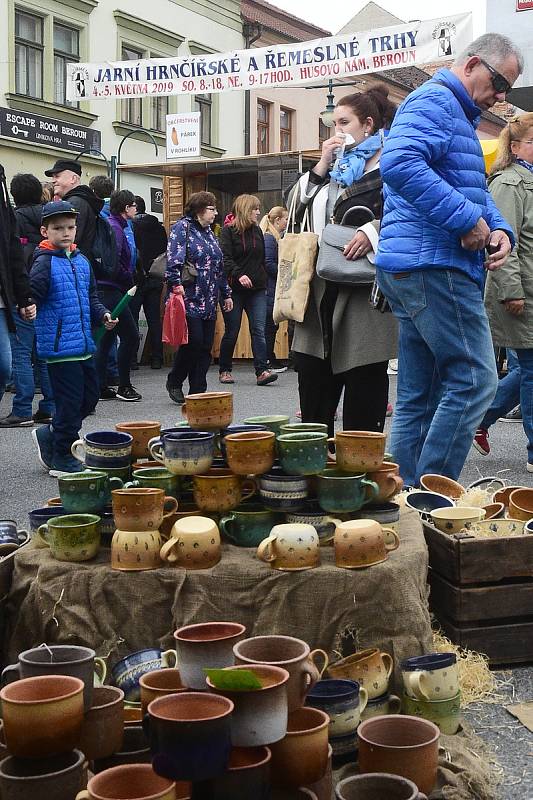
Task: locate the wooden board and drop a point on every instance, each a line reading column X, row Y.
column 507, row 643
column 480, row 603
column 464, row 560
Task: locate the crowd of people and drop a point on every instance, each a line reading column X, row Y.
column 453, row 262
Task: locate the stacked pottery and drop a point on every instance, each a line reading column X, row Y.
column 138, row 514
column 432, row 691
column 106, row 451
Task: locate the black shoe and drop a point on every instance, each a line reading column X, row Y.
column 134, row 366
column 42, row 417
column 176, row 395
column 12, row 421
column 156, row 363
column 107, row 394
column 513, row 416
column 128, row 393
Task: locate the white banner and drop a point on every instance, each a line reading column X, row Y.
column 349, row 55
column 183, row 134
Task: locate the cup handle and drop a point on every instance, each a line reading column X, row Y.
column 116, row 483
column 76, row 449
column 248, row 488
column 395, row 704
column 388, row 663
column 396, row 543
column 318, row 652
column 132, row 485
column 224, row 526
column 421, row 796
column 374, row 490
column 363, row 699
column 10, row 674
column 83, row 795
column 329, row 539
column 166, row 554
column 168, row 656
column 100, row 667
column 417, row 684
column 264, row 551
column 155, row 446
column 173, row 503
column 412, row 683
column 42, row 533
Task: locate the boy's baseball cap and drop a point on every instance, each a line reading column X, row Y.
column 62, row 164
column 56, row 209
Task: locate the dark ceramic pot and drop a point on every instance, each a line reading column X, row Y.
column 283, row 492
column 54, row 778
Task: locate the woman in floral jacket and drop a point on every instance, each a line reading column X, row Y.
column 193, row 243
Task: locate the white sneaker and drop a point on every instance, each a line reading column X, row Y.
column 529, row 467
column 392, row 369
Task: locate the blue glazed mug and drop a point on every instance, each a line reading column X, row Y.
column 86, row 492
column 127, row 672
column 109, row 449
column 184, row 452
column 189, row 735
column 9, row 539
column 343, row 701
column 340, row 492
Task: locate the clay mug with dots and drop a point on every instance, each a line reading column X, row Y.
column 194, row 543
column 362, row 543
column 291, row 546
column 431, row 677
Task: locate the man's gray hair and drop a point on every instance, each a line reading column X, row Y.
column 494, row 48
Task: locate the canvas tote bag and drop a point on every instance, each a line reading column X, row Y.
column 296, row 266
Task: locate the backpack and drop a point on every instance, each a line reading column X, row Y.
column 104, row 258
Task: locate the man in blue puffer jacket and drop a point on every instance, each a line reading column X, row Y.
column 438, row 219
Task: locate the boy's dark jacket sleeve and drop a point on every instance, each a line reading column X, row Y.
column 40, row 277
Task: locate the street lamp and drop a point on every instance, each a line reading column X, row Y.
column 91, row 152
column 115, row 160
column 327, row 114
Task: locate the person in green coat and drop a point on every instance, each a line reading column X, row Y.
column 509, row 290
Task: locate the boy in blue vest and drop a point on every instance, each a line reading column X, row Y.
column 64, row 289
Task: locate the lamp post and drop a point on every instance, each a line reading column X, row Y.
column 327, row 114
column 115, row 160
column 92, row 151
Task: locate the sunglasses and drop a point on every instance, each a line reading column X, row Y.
column 500, row 84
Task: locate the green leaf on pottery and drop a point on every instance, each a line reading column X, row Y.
column 233, row 679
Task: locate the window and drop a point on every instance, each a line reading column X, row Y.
column 28, row 54
column 323, row 132
column 66, row 50
column 285, row 127
column 158, row 109
column 263, row 125
column 132, row 109
column 204, row 104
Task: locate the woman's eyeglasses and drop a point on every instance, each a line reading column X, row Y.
column 211, row 208
column 499, row 83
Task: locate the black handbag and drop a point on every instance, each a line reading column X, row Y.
column 189, row 272
column 332, row 264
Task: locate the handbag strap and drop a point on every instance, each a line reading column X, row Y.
column 305, row 226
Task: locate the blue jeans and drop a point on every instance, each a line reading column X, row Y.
column 508, row 394
column 21, row 349
column 76, row 390
column 253, row 301
column 446, row 369
column 193, row 359
column 5, row 353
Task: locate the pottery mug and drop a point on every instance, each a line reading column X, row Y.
column 388, row 480
column 54, row 778
column 250, row 453
column 248, row 525
column 86, row 492
column 141, row 431
column 431, row 677
column 361, row 543
column 205, row 644
column 282, row 492
column 73, row 537
column 137, row 781
column 301, row 757
column 343, row 701
column 134, row 750
column 9, row 540
column 141, row 509
column 371, row 668
column 104, row 449
column 102, row 731
column 184, row 452
column 446, row 714
column 292, row 546
column 341, row 492
column 247, row 776
column 292, row 654
column 387, row 514
column 135, row 551
column 159, row 683
column 303, row 453
column 378, row 786
column 155, row 478
column 219, row 490
column 384, row 704
column 59, row 659
column 313, row 515
column 194, row 543
column 208, row 411
column 272, row 422
column 359, row 451
column 127, row 672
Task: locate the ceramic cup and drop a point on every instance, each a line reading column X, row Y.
column 292, row 654
column 134, row 551
column 194, row 543
column 54, row 778
column 304, row 427
column 378, row 786
column 446, row 714
column 400, row 745
column 384, row 704
column 521, row 504
column 104, row 449
column 282, row 492
column 86, row 492
column 73, row 537
column 9, row 540
column 135, row 749
column 431, row 677
column 137, row 781
column 184, row 452
column 272, row 422
column 102, row 731
column 301, row 757
column 248, row 525
column 359, row 451
column 292, row 546
column 387, row 514
column 343, row 701
column 124, row 473
column 387, row 477
column 42, row 715
column 340, row 492
column 259, row 715
column 221, row 435
column 250, row 453
column 453, row 520
column 205, row 644
column 209, row 411
column 313, row 515
column 127, row 672
column 190, row 735
column 38, row 517
column 141, row 509
column 361, row 543
column 60, row 659
column 155, row 478
column 219, row 490
column 159, row 683
column 141, row 431
column 303, row 453
column 371, row 668
column 247, row 776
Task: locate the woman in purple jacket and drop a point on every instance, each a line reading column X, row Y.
column 122, row 207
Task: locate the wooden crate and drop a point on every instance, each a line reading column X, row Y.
column 506, row 643
column 493, row 601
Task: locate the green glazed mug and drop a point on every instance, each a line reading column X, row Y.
column 72, row 537
column 272, row 422
column 124, row 473
column 304, row 427
column 247, row 526
column 86, row 492
column 303, row 453
column 340, row 492
column 156, row 478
